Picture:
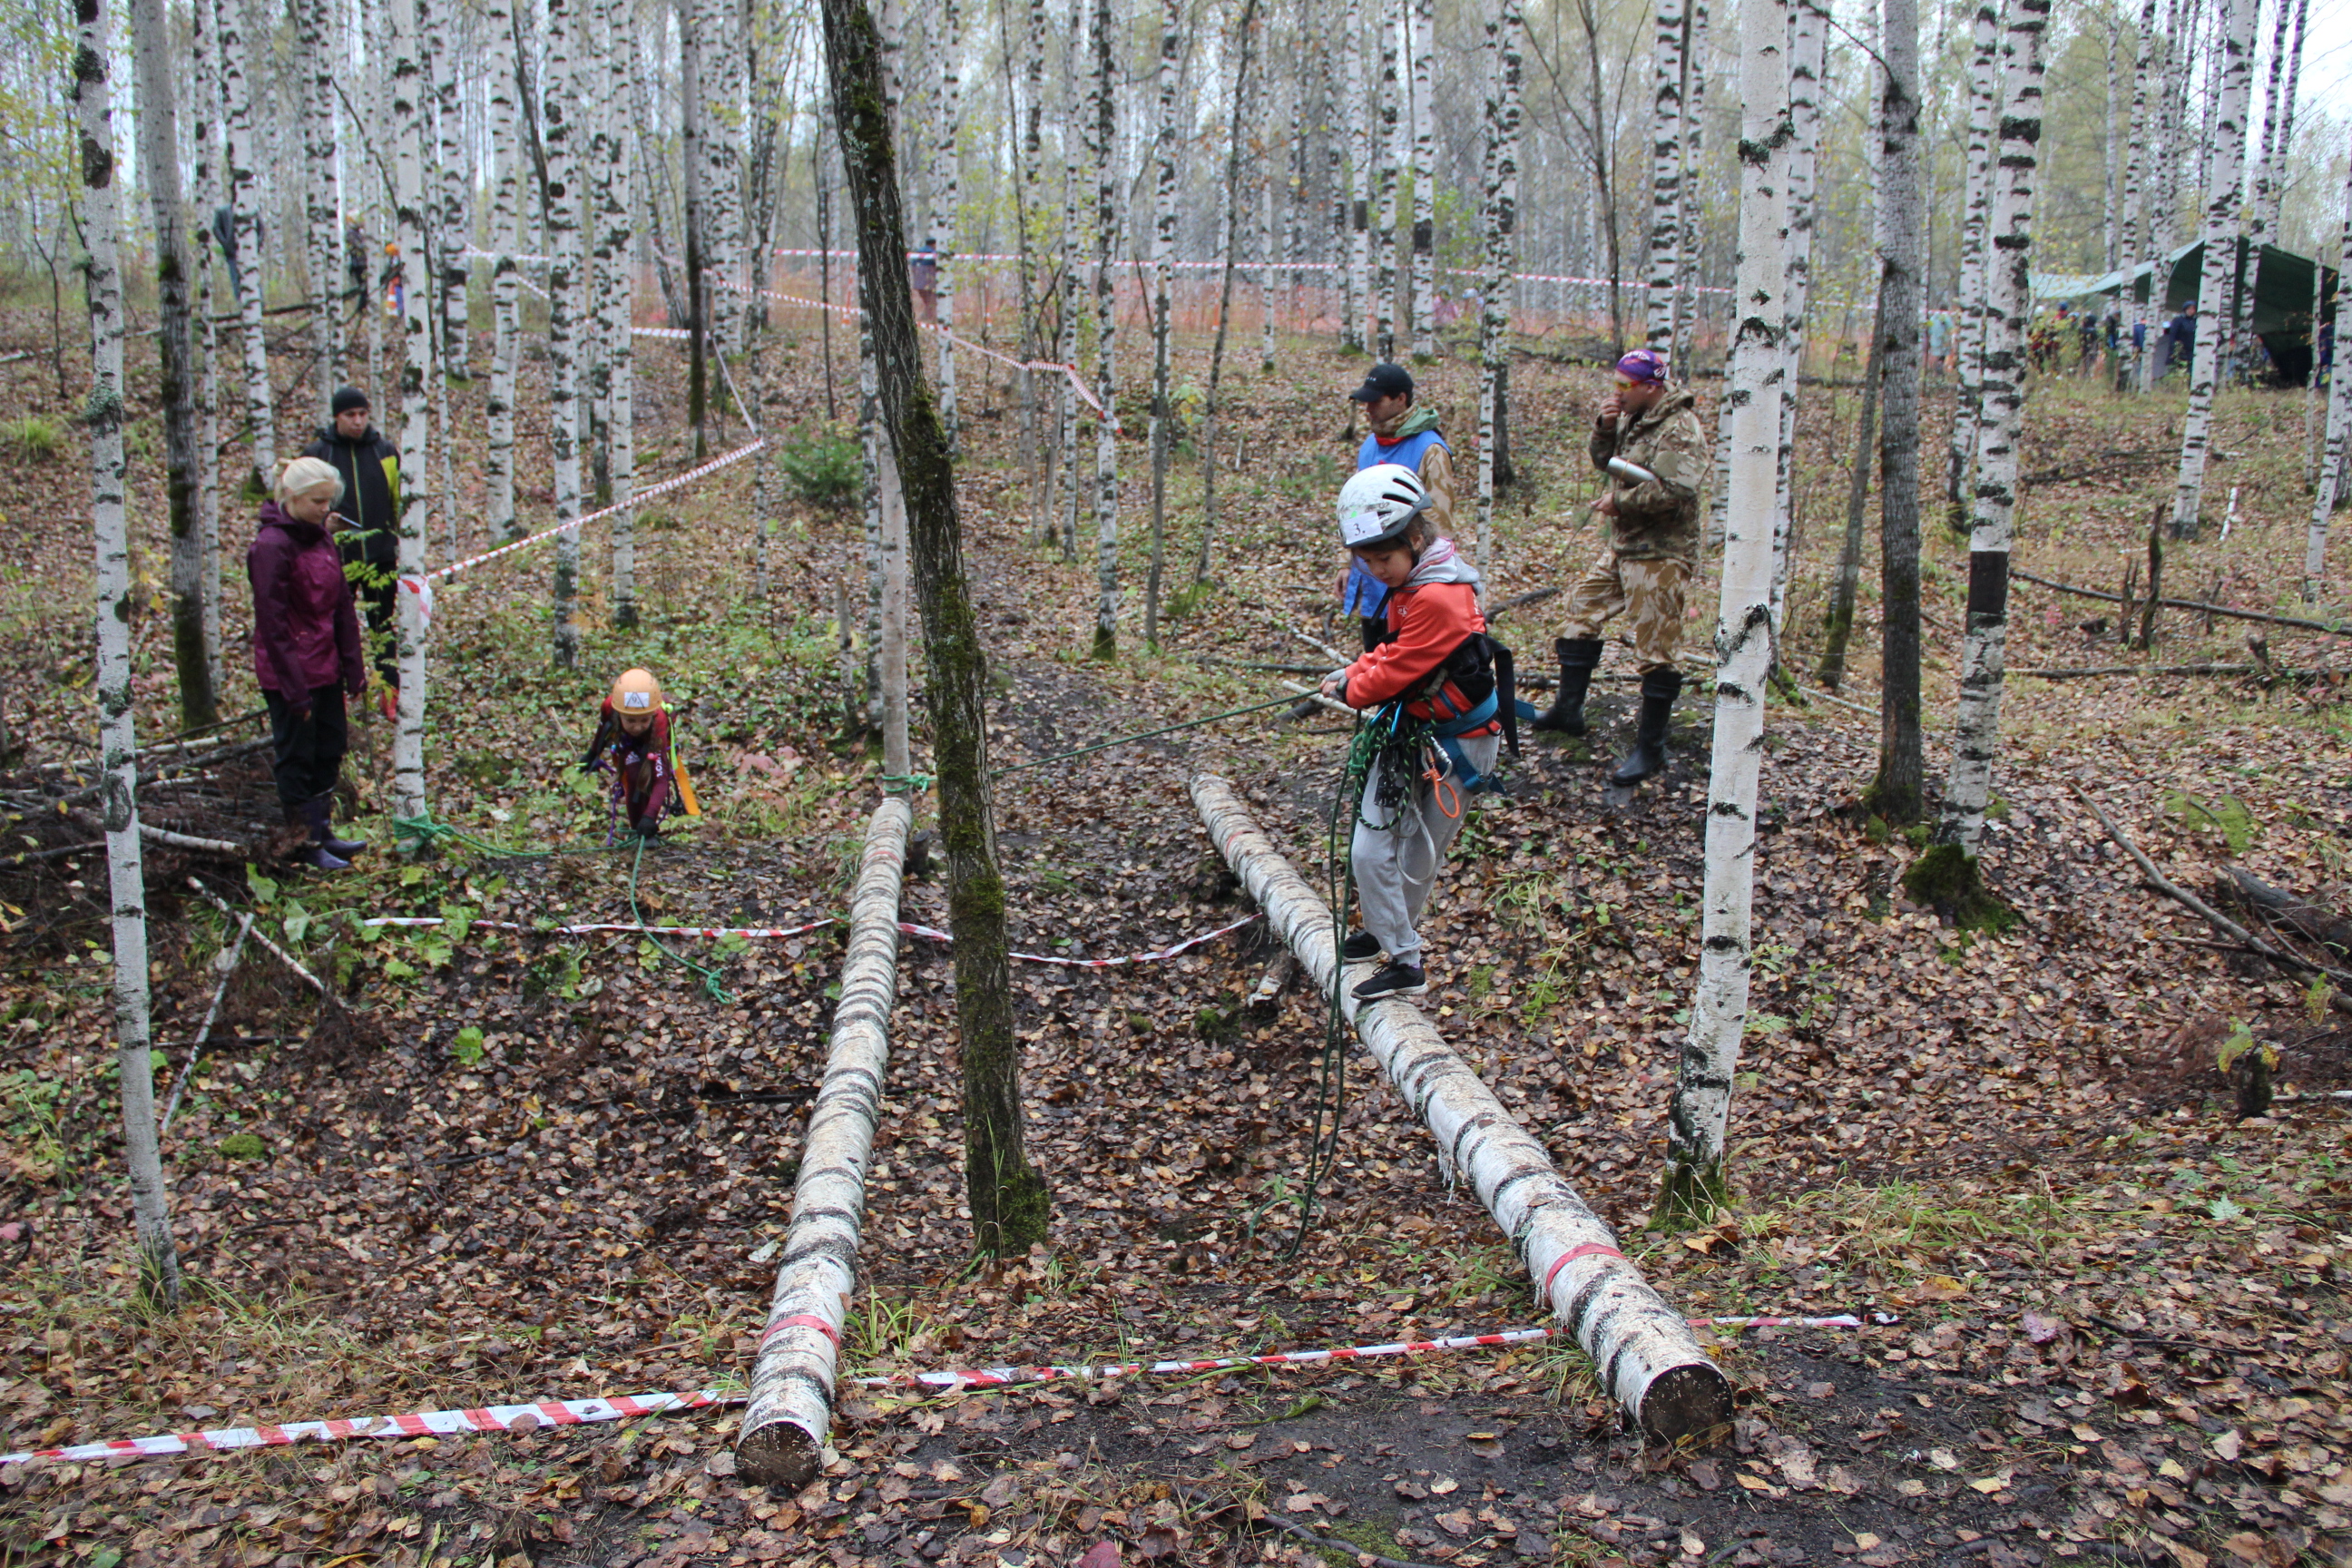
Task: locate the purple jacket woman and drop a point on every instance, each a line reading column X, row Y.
column 306, row 650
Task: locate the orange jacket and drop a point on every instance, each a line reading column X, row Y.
column 1428, row 619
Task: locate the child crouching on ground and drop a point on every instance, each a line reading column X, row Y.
column 1435, row 662
column 646, row 779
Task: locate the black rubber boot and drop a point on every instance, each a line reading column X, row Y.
column 314, row 853
column 1659, row 688
column 319, row 812
column 1579, row 657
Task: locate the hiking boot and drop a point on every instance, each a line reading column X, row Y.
column 1648, row 757
column 1579, row 657
column 1360, row 946
column 1393, row 980
column 317, row 813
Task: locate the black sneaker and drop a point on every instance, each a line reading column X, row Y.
column 1393, row 980
column 1360, row 946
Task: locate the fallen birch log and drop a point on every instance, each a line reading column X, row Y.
column 183, row 841
column 1642, row 1350
column 791, row 1409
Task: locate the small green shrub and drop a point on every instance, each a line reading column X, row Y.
column 245, row 1146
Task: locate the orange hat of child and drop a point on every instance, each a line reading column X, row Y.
column 636, row 692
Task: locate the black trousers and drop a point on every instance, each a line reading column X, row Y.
column 308, row 756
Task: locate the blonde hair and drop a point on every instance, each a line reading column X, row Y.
column 301, row 475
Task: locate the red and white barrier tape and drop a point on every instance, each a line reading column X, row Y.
column 759, row 932
column 637, row 499
column 998, row 1376
column 934, row 934
column 423, row 1423
column 541, row 1413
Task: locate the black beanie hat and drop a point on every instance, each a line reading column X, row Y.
column 348, row 398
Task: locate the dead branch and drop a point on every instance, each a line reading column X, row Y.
column 2187, row 604
column 2062, row 672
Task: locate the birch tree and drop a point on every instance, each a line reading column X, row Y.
column 407, row 88
column 2235, row 26
column 506, row 316
column 1163, row 263
column 2278, row 137
column 1694, row 63
column 192, row 655
column 1807, row 38
column 102, row 217
column 1101, row 145
column 1358, row 114
column 1896, row 791
column 1245, row 42
column 2339, row 418
column 1968, row 323
column 614, row 369
column 943, row 221
column 1694, row 1187
column 1665, row 176
column 245, row 262
column 1946, row 874
column 694, row 162
column 1502, row 206
column 1007, row 1195
column 319, row 198
column 451, row 221
column 569, row 57
column 1425, row 180
column 203, row 114
column 2138, row 170
column 1383, row 313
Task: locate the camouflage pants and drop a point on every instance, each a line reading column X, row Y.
column 1648, row 593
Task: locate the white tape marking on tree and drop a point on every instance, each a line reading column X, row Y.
column 783, row 1433
column 1643, row 1350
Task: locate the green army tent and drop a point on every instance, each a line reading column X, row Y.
column 2282, row 302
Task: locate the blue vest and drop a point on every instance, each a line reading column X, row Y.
column 1364, row 591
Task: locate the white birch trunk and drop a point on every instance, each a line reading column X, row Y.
column 2267, row 200
column 790, row 1414
column 881, row 483
column 1807, row 38
column 505, row 317
column 1695, row 64
column 2339, row 418
column 244, row 191
column 407, row 125
column 1268, row 183
column 203, row 114
column 1666, row 71
column 570, row 56
column 2270, row 172
column 614, row 371
column 1391, row 25
column 118, row 739
column 1976, row 732
column 1502, row 222
column 891, row 662
column 1643, row 1352
column 320, row 200
column 2134, row 216
column 1075, row 194
column 1163, row 261
column 1968, row 323
column 1102, row 147
column 944, row 185
column 2163, row 179
column 1425, row 180
column 451, row 223
column 2235, row 26
column 1694, row 1186
column 1355, row 332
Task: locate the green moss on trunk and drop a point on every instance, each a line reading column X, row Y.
column 1693, row 1194
column 1010, row 1203
column 1947, row 878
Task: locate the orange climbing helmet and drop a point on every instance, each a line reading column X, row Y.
column 635, row 692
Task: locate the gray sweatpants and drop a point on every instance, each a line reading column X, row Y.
column 1396, row 863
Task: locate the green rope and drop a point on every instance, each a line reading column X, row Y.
column 716, row 992
column 1376, row 736
column 426, row 828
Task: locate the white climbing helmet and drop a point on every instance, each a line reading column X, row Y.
column 1379, row 504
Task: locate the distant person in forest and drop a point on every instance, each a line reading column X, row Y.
column 1940, row 339
column 647, row 782
column 1434, row 667
column 923, row 277
column 2086, row 339
column 1647, row 442
column 305, row 651
column 2178, row 344
column 370, row 468
column 1409, row 438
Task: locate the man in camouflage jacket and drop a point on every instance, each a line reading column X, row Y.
column 1650, row 431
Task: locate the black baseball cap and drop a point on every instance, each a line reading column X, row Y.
column 1384, row 381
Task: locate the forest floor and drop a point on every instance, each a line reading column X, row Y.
column 513, row 1165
